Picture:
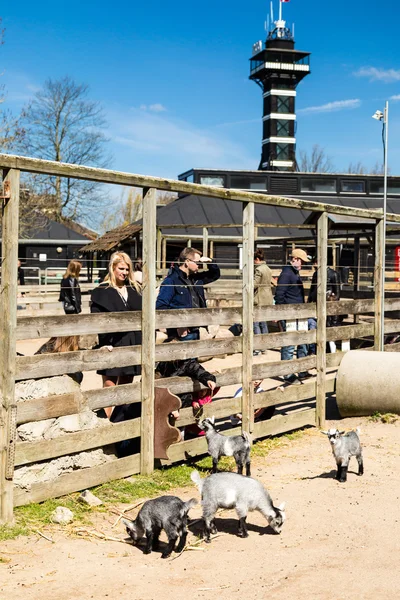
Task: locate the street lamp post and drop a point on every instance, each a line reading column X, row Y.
column 384, row 117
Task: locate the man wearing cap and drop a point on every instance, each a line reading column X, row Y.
column 290, row 290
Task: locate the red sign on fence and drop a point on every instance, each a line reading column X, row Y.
column 397, row 261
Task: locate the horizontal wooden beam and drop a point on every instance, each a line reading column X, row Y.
column 46, row 167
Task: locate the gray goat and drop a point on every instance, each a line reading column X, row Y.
column 166, row 512
column 344, row 446
column 230, row 490
column 219, row 445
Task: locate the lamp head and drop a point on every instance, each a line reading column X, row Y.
column 378, row 115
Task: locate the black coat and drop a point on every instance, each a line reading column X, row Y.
column 290, row 288
column 106, row 299
column 185, row 368
column 70, row 294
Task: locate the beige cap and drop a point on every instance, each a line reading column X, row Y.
column 299, row 253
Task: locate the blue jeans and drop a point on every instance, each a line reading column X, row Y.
column 312, row 324
column 192, row 335
column 287, row 352
column 260, row 327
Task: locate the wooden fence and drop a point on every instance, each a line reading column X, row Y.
column 308, row 399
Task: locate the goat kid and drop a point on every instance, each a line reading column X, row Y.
column 344, row 446
column 166, row 512
column 219, row 445
column 244, row 494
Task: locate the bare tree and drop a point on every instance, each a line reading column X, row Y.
column 63, row 125
column 10, row 130
column 316, row 162
column 359, row 168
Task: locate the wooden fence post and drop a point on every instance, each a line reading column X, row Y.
column 159, row 245
column 248, row 318
column 148, row 332
column 164, row 253
column 379, row 232
column 8, row 352
column 205, row 241
column 322, row 232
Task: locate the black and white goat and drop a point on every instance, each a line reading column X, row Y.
column 344, row 446
column 219, row 445
column 166, row 512
column 230, row 490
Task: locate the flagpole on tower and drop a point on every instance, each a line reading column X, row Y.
column 280, row 10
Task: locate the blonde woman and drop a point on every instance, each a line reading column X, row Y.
column 70, row 293
column 119, row 292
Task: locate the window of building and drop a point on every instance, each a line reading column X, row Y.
column 283, row 104
column 318, row 185
column 376, row 187
column 282, row 151
column 353, row 186
column 282, row 129
column 215, row 180
column 248, row 183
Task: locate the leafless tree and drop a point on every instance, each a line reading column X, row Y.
column 359, row 168
column 63, row 125
column 10, row 130
column 316, row 162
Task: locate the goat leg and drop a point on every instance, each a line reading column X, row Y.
column 343, row 473
column 171, row 545
column 182, row 541
column 243, row 528
column 360, row 465
column 149, row 542
column 215, row 464
column 239, row 467
column 248, row 474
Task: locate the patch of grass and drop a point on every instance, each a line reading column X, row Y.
column 36, row 516
column 378, row 417
column 10, row 532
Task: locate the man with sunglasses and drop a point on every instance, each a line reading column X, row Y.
column 183, row 288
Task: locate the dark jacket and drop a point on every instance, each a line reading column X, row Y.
column 289, row 288
column 332, row 285
column 185, row 368
column 106, row 299
column 70, row 294
column 176, row 293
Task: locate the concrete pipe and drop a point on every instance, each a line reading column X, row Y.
column 368, row 382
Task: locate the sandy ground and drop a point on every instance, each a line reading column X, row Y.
column 339, row 540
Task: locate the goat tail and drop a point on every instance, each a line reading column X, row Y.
column 246, row 437
column 197, row 480
column 358, row 430
column 189, row 504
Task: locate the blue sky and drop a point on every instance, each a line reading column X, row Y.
column 173, row 77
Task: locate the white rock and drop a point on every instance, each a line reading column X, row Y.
column 86, row 497
column 204, row 335
column 62, row 515
column 34, row 431
column 40, row 388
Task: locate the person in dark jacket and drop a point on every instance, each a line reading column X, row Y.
column 118, row 293
column 332, row 294
column 70, row 293
column 183, row 288
column 290, row 290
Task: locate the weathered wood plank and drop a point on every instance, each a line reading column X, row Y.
column 70, row 443
column 321, row 318
column 283, row 424
column 148, row 331
column 349, row 332
column 248, row 317
column 78, row 480
column 8, row 352
column 35, row 165
column 50, row 407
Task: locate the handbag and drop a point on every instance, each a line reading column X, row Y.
column 69, row 308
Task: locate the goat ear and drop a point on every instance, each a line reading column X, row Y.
column 128, row 524
column 212, row 419
column 342, row 432
column 324, row 432
column 281, row 507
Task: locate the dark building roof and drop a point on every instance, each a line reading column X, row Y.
column 56, row 231
column 111, row 240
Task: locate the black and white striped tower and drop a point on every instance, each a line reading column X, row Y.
column 278, row 68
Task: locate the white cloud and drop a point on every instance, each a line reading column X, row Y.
column 331, row 106
column 151, row 138
column 156, row 108
column 374, row 74
column 395, row 98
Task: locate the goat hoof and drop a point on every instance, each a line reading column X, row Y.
column 146, row 551
column 165, row 555
column 207, row 541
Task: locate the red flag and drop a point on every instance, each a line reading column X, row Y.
column 285, row 0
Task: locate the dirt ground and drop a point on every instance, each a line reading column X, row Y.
column 339, row 540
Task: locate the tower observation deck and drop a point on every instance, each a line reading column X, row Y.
column 278, row 68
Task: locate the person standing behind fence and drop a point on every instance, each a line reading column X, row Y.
column 118, row 293
column 290, row 290
column 183, row 288
column 70, row 293
column 262, row 291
